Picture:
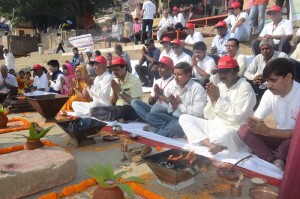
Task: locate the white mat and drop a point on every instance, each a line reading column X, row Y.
column 254, row 163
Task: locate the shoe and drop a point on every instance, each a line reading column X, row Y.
column 279, row 164
column 149, row 128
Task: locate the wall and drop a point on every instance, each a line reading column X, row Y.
column 22, row 45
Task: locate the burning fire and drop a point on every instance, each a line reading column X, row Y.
column 190, row 157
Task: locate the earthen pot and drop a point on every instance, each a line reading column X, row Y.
column 33, row 144
column 112, row 192
column 3, row 120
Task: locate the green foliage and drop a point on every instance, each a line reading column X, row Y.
column 105, row 174
column 2, row 109
column 34, row 134
column 51, row 12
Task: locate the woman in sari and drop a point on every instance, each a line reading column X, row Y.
column 68, row 75
column 79, row 88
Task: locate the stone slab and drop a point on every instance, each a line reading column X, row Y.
column 27, row 172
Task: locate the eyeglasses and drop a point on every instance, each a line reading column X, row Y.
column 166, row 13
column 175, row 47
column 230, row 46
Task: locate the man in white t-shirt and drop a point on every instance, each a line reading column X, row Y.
column 161, row 87
column 179, row 55
column 148, row 10
column 192, row 35
column 166, row 23
column 280, row 30
column 282, row 99
column 178, row 19
column 203, row 65
column 40, row 79
column 232, row 48
column 239, row 22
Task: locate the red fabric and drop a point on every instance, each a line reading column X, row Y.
column 291, row 177
column 248, row 173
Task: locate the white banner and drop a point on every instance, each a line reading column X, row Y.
column 294, row 10
column 82, row 41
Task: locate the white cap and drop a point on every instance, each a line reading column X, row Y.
column 88, row 50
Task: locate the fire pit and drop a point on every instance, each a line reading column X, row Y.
column 82, row 130
column 47, row 105
column 176, row 169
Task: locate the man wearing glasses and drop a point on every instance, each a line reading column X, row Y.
column 179, row 55
column 166, row 23
column 239, row 22
column 280, row 30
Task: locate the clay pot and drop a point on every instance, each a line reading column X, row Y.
column 3, row 120
column 113, row 192
column 33, row 144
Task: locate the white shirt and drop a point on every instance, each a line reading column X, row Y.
column 10, row 79
column 234, row 105
column 149, row 9
column 168, row 22
column 179, row 19
column 182, row 58
column 116, row 31
column 232, row 19
column 207, row 65
column 192, row 97
column 296, row 54
column 197, row 36
column 258, row 64
column 9, row 61
column 165, row 85
column 220, row 43
column 57, row 84
column 285, row 109
column 41, row 82
column 242, row 61
column 164, row 53
column 298, row 32
column 101, row 88
column 285, row 27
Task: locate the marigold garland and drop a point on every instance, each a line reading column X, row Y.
column 25, row 127
column 78, row 187
column 21, row 147
column 52, row 195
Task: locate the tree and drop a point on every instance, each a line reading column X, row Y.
column 51, row 12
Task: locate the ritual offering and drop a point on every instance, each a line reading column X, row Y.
column 263, row 192
column 258, row 181
column 124, row 147
column 110, row 138
column 133, row 136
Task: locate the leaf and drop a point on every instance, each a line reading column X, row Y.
column 134, row 179
column 21, row 136
column 32, row 133
column 110, row 172
column 126, row 188
column 119, row 175
column 44, row 132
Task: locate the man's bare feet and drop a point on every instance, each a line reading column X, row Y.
column 214, row 149
column 279, row 164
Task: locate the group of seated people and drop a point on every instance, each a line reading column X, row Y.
column 218, row 100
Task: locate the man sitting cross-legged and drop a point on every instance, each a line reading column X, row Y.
column 125, row 88
column 161, row 87
column 99, row 89
column 186, row 96
column 282, row 99
column 230, row 103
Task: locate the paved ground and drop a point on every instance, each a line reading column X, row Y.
column 208, row 185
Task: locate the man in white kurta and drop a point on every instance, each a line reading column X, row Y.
column 230, row 103
column 165, row 24
column 9, row 59
column 192, row 35
column 99, row 90
column 179, row 55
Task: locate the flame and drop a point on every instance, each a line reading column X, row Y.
column 190, row 157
